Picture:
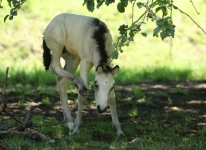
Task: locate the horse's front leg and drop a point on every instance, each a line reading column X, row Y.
column 84, row 71
column 62, row 86
column 115, row 120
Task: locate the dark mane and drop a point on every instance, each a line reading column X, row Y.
column 98, row 36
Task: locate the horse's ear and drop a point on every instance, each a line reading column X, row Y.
column 115, row 70
column 99, row 69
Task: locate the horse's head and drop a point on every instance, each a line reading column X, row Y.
column 104, row 85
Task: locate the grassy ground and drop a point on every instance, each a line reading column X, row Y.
column 153, row 117
column 146, row 59
column 98, row 135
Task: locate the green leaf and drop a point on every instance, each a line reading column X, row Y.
column 9, row 3
column 157, row 9
column 108, row 2
column 170, row 31
column 175, row 7
column 123, row 29
column 152, row 5
column 163, row 35
column 14, row 13
column 144, row 34
column 90, row 6
column 124, row 2
column 140, row 5
column 6, row 18
column 173, row 33
column 166, row 19
column 156, row 31
column 114, row 54
column 120, row 7
column 12, row 10
column 85, row 2
column 164, row 11
column 10, row 17
column 131, row 33
column 123, row 39
column 131, row 38
column 99, row 4
column 159, row 22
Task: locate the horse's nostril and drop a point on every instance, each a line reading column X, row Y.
column 99, row 109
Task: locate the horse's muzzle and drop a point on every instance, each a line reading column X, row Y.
column 99, row 109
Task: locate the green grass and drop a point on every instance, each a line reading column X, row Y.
column 129, row 76
column 98, row 134
column 178, row 90
column 46, row 101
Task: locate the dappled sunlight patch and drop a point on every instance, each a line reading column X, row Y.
column 201, row 123
column 203, row 116
column 200, row 102
column 173, row 108
column 178, row 109
column 145, row 101
column 57, row 105
column 159, row 86
column 29, row 104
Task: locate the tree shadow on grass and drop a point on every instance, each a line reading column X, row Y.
column 163, row 103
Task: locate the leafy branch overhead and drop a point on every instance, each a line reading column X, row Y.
column 158, row 11
column 14, row 5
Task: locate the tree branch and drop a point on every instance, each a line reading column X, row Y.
column 147, row 9
column 27, row 122
column 4, row 102
column 192, row 20
column 194, row 7
column 133, row 10
column 34, row 135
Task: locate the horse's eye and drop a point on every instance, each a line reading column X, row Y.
column 96, row 86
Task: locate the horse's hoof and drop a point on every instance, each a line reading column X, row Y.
column 70, row 125
column 120, row 133
column 75, row 132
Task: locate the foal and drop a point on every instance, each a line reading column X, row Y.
column 85, row 41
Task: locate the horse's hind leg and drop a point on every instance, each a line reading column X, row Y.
column 55, row 67
column 62, row 84
column 70, row 66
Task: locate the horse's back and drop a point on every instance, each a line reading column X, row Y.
column 68, row 24
column 68, row 30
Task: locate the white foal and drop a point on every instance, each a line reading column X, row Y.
column 86, row 41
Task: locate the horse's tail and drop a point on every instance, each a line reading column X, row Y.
column 46, row 56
